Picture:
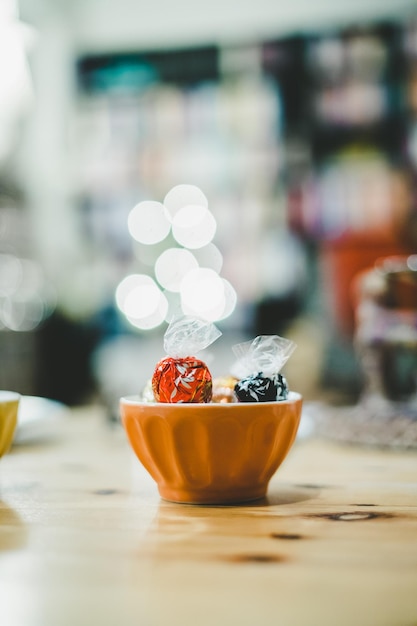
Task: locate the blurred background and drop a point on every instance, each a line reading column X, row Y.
column 298, row 123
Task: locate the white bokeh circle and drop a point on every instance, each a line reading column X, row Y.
column 148, row 222
column 172, row 265
column 201, row 291
column 141, row 301
column 154, row 319
column 193, row 226
column 230, row 300
column 209, row 256
column 182, row 195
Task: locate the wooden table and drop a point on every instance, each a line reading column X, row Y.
column 86, row 541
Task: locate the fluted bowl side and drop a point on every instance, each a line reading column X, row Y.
column 211, row 453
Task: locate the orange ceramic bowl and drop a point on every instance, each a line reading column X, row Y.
column 211, row 453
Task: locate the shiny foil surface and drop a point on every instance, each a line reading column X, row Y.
column 260, row 388
column 182, row 380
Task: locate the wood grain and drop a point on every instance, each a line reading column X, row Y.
column 86, row 540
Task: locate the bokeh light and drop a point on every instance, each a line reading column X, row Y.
column 187, row 275
column 202, row 292
column 172, row 265
column 183, row 195
column 10, row 273
column 209, row 256
column 412, row 262
column 230, row 300
column 22, row 313
column 134, row 284
column 155, row 318
column 219, row 308
column 26, row 299
column 193, row 226
column 141, row 301
column 148, row 222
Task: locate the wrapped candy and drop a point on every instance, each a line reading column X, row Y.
column 147, row 392
column 180, row 377
column 257, row 368
column 224, row 389
column 260, row 388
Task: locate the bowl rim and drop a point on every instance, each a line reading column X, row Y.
column 9, row 396
column 135, row 400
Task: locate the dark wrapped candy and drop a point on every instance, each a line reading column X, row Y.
column 182, row 380
column 260, row 388
column 257, row 369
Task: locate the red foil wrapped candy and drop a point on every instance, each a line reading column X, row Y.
column 181, row 378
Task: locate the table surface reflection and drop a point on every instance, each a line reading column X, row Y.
column 86, row 540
